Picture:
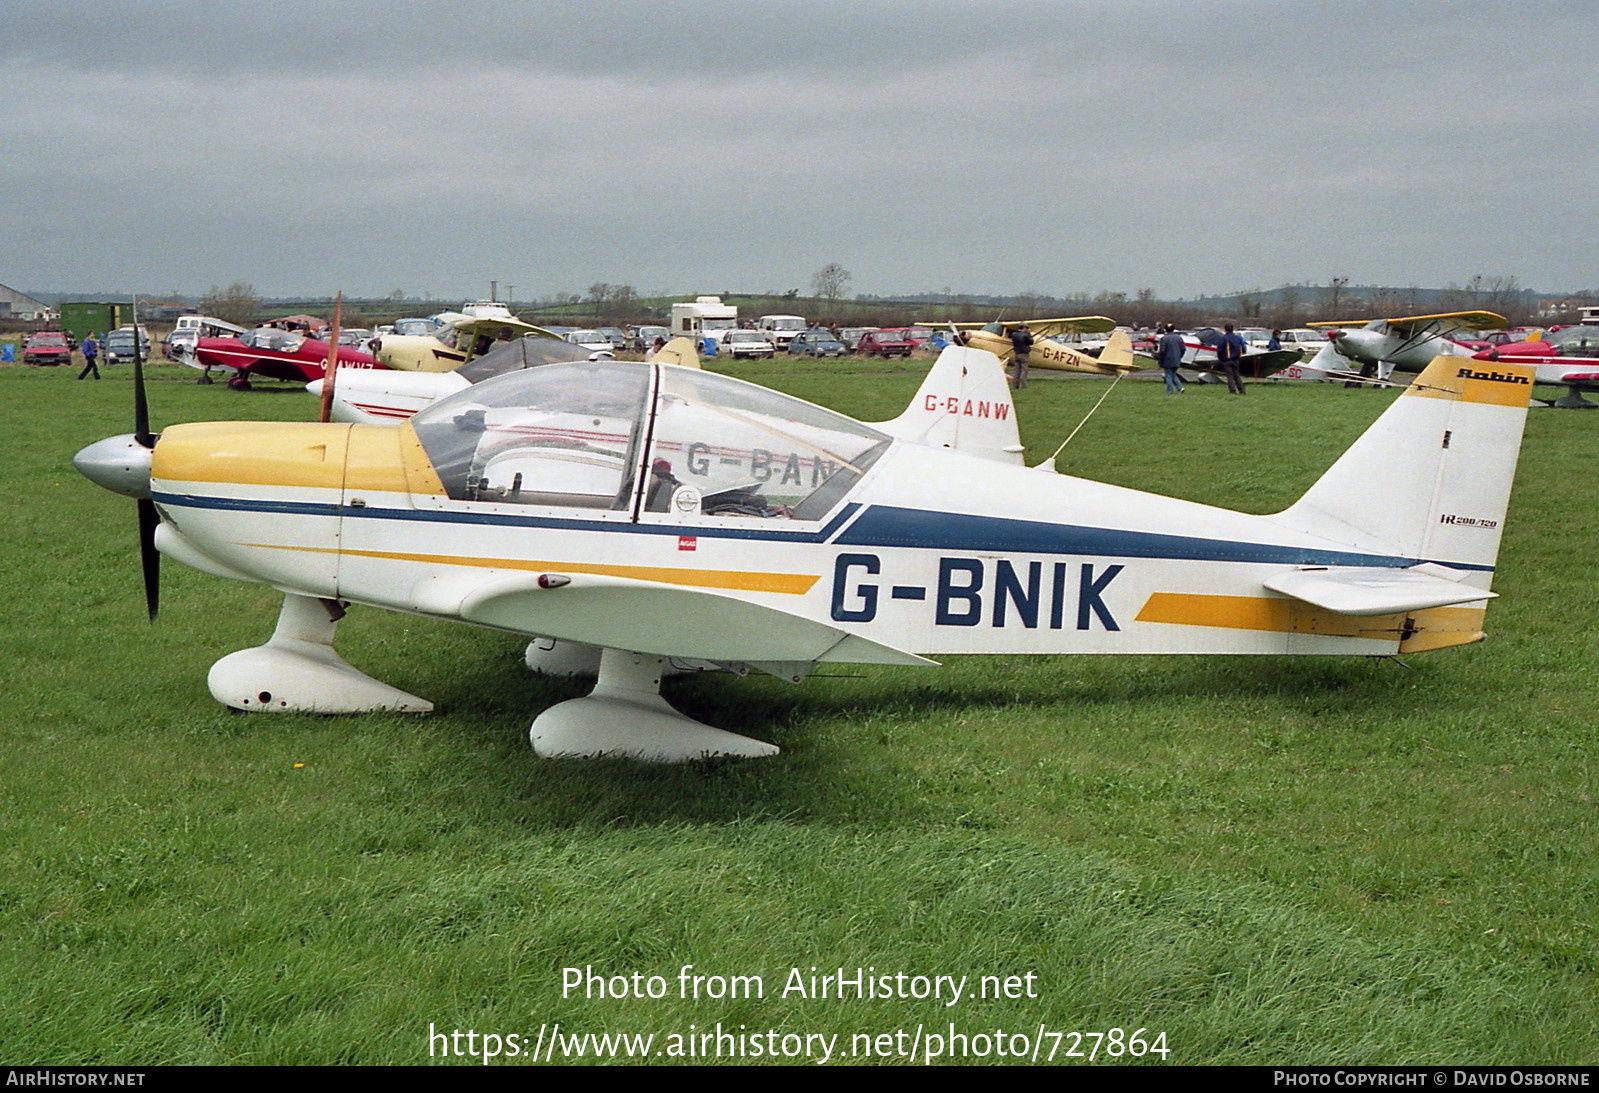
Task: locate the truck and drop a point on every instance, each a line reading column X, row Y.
column 84, row 317
column 704, row 319
column 780, row 329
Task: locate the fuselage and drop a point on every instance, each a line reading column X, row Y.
column 930, row 551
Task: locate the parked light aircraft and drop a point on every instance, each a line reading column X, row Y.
column 655, row 513
column 461, row 337
column 270, row 353
column 1048, row 352
column 1557, row 366
column 1377, row 347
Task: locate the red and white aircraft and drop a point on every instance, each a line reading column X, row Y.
column 270, row 353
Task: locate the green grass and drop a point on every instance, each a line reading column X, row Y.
column 1270, row 860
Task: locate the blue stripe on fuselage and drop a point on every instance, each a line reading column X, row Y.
column 886, row 526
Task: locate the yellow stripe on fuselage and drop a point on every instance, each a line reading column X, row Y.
column 790, row 584
column 1418, row 631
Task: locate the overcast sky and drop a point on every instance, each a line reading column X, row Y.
column 1002, row 146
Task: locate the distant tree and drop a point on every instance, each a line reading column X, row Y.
column 1334, row 295
column 830, row 281
column 238, row 303
column 1288, row 306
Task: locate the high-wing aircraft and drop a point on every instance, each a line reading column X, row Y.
column 668, row 516
column 461, row 338
column 1048, row 351
column 1378, row 347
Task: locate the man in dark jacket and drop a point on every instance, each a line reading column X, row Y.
column 1021, row 341
column 1169, row 355
column 1230, row 353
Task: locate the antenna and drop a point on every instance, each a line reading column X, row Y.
column 1049, row 464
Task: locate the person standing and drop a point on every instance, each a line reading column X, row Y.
column 1169, row 355
column 90, row 350
column 1021, row 343
column 1230, row 353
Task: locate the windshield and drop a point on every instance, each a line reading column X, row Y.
column 565, row 434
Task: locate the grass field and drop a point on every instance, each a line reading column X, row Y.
column 1266, row 860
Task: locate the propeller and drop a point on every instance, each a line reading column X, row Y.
column 331, row 368
column 149, row 519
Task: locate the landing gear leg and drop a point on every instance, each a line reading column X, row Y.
column 626, row 717
column 298, row 671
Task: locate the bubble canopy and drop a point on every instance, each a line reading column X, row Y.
column 626, row 438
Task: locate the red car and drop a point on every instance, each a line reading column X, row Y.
column 885, row 343
column 46, row 347
column 274, row 354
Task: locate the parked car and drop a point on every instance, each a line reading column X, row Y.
column 46, row 347
column 747, row 343
column 851, row 336
column 816, row 342
column 1513, row 336
column 118, row 347
column 356, row 338
column 179, row 344
column 413, row 327
column 616, row 336
column 643, row 337
column 589, row 339
column 1304, row 339
column 885, row 343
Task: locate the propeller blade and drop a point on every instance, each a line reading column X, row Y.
column 141, row 404
column 149, row 557
column 331, row 368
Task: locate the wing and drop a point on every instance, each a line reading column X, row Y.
column 494, row 327
column 1442, row 324
column 1084, row 324
column 667, row 620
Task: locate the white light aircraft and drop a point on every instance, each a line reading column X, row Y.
column 1378, row 347
column 667, row 516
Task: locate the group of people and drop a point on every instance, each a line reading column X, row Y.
column 1229, row 354
column 1170, row 350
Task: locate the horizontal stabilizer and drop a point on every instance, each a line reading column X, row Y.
column 1374, row 591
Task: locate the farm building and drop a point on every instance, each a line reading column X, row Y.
column 15, row 305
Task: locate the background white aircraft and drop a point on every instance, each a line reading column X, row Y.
column 1378, row 347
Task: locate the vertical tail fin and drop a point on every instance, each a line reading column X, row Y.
column 965, row 404
column 1431, row 478
column 1118, row 352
